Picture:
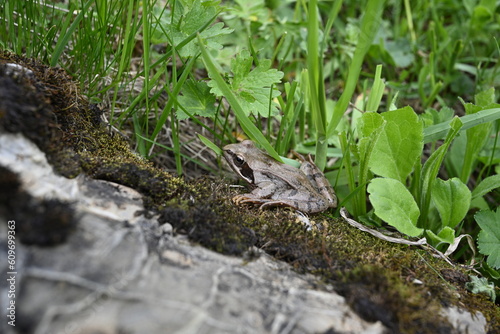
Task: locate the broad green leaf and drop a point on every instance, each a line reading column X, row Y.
column 446, row 235
column 452, row 199
column 368, row 123
column 488, row 239
column 252, row 87
column 196, row 99
column 399, row 145
column 455, row 158
column 394, row 204
column 485, row 98
column 494, row 274
column 486, row 185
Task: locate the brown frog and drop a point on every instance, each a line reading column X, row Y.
column 277, row 184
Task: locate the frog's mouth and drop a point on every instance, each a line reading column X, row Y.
column 239, row 165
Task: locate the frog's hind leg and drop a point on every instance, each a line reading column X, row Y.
column 317, row 178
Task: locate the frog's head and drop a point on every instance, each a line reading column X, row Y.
column 239, row 155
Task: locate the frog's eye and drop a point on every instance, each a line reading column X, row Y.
column 238, row 160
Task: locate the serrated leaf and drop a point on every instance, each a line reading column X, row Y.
column 481, row 285
column 452, row 199
column 488, row 239
column 394, row 204
column 252, row 87
column 188, row 18
column 399, row 144
column 196, row 99
column 246, row 124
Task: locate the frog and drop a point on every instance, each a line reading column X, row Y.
column 277, row 184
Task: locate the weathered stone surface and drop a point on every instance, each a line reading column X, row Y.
column 119, row 272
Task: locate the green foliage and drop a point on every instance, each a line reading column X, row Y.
column 254, row 88
column 430, row 171
column 398, row 146
column 196, row 100
column 481, row 285
column 370, row 127
column 390, row 145
column 250, row 129
column 369, row 27
column 445, row 236
column 489, row 238
column 476, row 136
column 394, row 204
column 188, row 18
column 486, row 185
column 452, row 199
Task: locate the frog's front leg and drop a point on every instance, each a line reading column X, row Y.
column 259, row 195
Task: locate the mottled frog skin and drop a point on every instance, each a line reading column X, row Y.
column 277, row 184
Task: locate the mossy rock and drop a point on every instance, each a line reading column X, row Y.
column 402, row 286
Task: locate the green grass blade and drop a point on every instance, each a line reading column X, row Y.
column 248, row 127
column 208, row 143
column 377, row 91
column 145, row 59
column 317, row 98
column 439, row 131
column 337, row 4
column 63, row 41
column 431, row 168
column 370, row 24
column 168, row 108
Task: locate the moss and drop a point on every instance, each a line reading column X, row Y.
column 47, row 108
column 376, row 277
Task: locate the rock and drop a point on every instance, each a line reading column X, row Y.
column 121, row 272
